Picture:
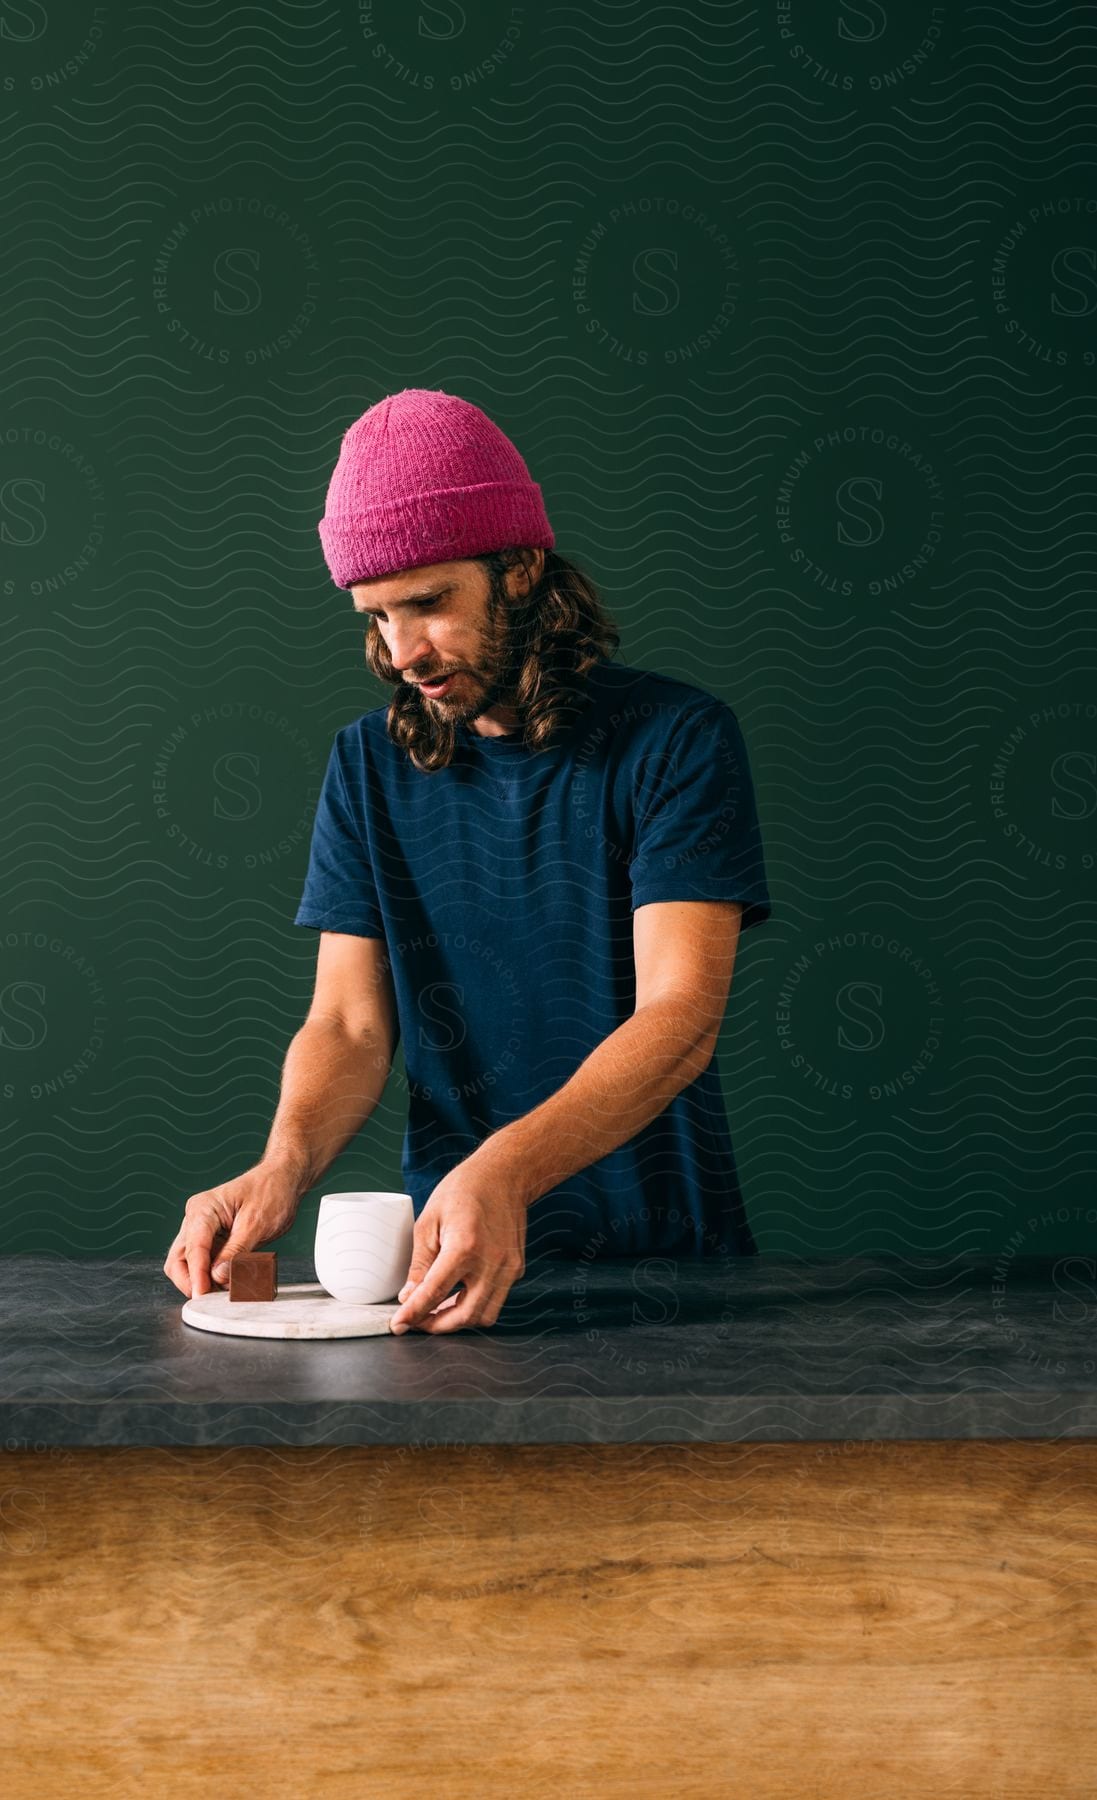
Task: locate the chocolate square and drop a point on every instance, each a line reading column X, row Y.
column 253, row 1275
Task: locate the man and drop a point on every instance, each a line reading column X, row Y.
column 532, row 866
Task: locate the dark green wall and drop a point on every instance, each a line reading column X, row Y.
column 791, row 309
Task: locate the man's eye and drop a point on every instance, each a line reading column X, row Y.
column 418, row 605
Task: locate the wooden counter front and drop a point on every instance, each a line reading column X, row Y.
column 840, row 1621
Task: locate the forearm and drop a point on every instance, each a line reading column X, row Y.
column 624, row 1083
column 331, row 1081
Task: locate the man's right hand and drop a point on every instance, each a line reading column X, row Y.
column 237, row 1215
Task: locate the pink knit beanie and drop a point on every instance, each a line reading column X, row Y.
column 426, row 477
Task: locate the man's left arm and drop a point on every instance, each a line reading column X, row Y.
column 684, row 953
column 472, row 1230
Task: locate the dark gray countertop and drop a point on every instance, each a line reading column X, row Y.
column 768, row 1348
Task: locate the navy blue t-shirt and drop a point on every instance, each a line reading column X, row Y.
column 504, row 886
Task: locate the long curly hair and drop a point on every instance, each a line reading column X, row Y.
column 555, row 634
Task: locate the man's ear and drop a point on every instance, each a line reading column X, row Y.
column 526, row 573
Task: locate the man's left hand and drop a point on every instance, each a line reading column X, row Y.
column 471, row 1232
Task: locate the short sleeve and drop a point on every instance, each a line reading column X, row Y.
column 697, row 835
column 339, row 892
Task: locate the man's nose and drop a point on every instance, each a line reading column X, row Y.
column 409, row 646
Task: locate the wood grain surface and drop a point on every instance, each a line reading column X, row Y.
column 824, row 1621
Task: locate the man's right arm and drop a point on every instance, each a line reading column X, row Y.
column 338, row 1063
column 331, row 1081
column 334, row 1074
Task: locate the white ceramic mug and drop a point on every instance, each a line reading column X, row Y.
column 363, row 1246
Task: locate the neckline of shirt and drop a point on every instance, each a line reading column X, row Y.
column 511, row 740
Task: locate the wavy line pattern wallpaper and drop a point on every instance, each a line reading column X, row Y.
column 790, row 309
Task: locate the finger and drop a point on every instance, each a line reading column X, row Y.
column 497, row 1299
column 174, row 1262
column 468, row 1311
column 450, row 1299
column 414, row 1276
column 425, row 1247
column 442, row 1277
column 200, row 1238
column 444, row 1305
column 428, row 1267
column 238, row 1239
column 404, row 1320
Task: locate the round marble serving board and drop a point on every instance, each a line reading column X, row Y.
column 301, row 1309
